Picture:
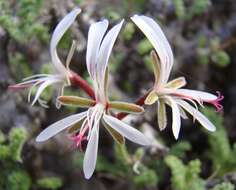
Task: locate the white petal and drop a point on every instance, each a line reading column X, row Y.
column 176, row 119
column 197, row 115
column 42, row 87
column 95, row 36
column 59, row 126
column 127, row 131
column 105, row 50
column 60, row 30
column 196, row 94
column 157, row 38
column 90, row 156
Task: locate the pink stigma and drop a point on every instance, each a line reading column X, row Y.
column 79, row 138
column 216, row 103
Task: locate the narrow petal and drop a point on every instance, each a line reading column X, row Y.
column 176, row 119
column 196, row 94
column 59, row 126
column 105, row 50
column 161, row 115
column 197, row 115
column 60, row 30
column 90, row 156
column 95, row 36
column 126, row 107
column 43, row 86
column 157, row 38
column 115, row 135
column 127, row 131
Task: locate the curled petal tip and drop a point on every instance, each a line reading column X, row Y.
column 216, row 103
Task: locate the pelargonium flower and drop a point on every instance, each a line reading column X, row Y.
column 61, row 77
column 171, row 92
column 100, row 109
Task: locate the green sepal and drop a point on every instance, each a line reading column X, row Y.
column 126, row 107
column 151, row 98
column 76, row 101
column 176, row 83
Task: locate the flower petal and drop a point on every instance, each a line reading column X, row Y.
column 115, row 135
column 196, row 94
column 105, row 50
column 176, row 119
column 197, row 115
column 42, row 87
column 60, row 30
column 157, row 38
column 127, row 131
column 95, row 36
column 59, row 126
column 90, row 156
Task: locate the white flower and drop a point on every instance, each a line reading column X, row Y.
column 171, row 93
column 99, row 110
column 62, row 73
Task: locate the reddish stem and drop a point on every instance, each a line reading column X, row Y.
column 139, row 101
column 76, row 80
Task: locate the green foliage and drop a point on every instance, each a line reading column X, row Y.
column 20, row 21
column 144, row 46
column 224, row 186
column 18, row 180
column 221, row 58
column 211, row 50
column 49, row 183
column 147, row 178
column 197, row 7
column 179, row 149
column 185, row 177
column 128, row 31
column 19, row 65
column 12, row 175
column 179, row 8
column 17, row 139
column 220, row 152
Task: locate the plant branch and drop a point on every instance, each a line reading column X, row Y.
column 76, row 80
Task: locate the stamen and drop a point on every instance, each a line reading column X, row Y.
column 216, row 102
column 79, row 138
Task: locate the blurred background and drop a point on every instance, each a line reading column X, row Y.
column 202, row 34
